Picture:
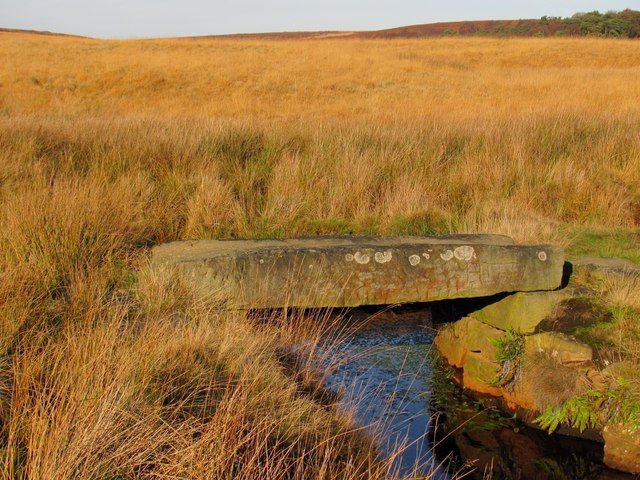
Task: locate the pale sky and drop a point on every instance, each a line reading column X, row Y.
column 151, row 18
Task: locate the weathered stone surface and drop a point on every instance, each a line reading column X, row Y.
column 553, row 368
column 563, row 348
column 481, row 373
column 347, row 272
column 622, row 442
column 451, row 342
column 622, row 448
column 611, row 265
column 543, row 382
column 481, row 338
column 469, row 344
column 506, row 453
column 521, row 312
column 467, row 336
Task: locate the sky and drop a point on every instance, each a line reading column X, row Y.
column 159, row 18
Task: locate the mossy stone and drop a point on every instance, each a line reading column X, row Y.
column 457, row 340
column 520, row 312
column 564, row 348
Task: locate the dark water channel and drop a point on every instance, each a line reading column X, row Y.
column 389, row 375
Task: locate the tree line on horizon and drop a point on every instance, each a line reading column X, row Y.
column 619, row 24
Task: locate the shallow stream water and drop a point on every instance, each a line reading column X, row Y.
column 385, row 378
column 388, row 376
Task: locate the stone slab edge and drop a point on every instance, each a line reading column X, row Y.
column 346, row 272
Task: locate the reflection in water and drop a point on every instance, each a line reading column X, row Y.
column 388, row 375
column 385, row 377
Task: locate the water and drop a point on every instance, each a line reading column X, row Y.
column 385, row 377
column 388, row 377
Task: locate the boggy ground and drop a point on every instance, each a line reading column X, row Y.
column 110, row 147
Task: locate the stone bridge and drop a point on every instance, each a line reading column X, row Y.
column 551, row 367
column 349, row 272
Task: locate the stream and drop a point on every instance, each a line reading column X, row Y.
column 387, row 374
column 385, row 378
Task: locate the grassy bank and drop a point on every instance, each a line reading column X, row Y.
column 108, row 148
column 568, row 180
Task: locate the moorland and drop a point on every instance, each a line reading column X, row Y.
column 110, row 147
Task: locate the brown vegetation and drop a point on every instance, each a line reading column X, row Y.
column 624, row 24
column 110, row 147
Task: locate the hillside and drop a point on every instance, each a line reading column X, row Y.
column 38, row 32
column 625, row 24
column 110, row 147
column 620, row 24
column 464, row 28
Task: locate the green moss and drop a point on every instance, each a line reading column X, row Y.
column 620, row 243
column 613, row 333
column 460, row 409
column 598, row 332
column 596, row 335
column 424, row 223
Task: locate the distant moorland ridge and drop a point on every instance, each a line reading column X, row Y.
column 37, row 32
column 623, row 24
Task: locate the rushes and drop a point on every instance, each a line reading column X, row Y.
column 189, row 179
column 136, row 391
column 110, row 373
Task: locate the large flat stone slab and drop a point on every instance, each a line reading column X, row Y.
column 352, row 271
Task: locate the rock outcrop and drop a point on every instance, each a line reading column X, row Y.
column 521, row 312
column 622, row 447
column 550, row 368
column 519, row 349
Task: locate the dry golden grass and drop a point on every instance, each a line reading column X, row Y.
column 107, row 148
column 437, row 79
column 520, row 136
column 619, row 331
